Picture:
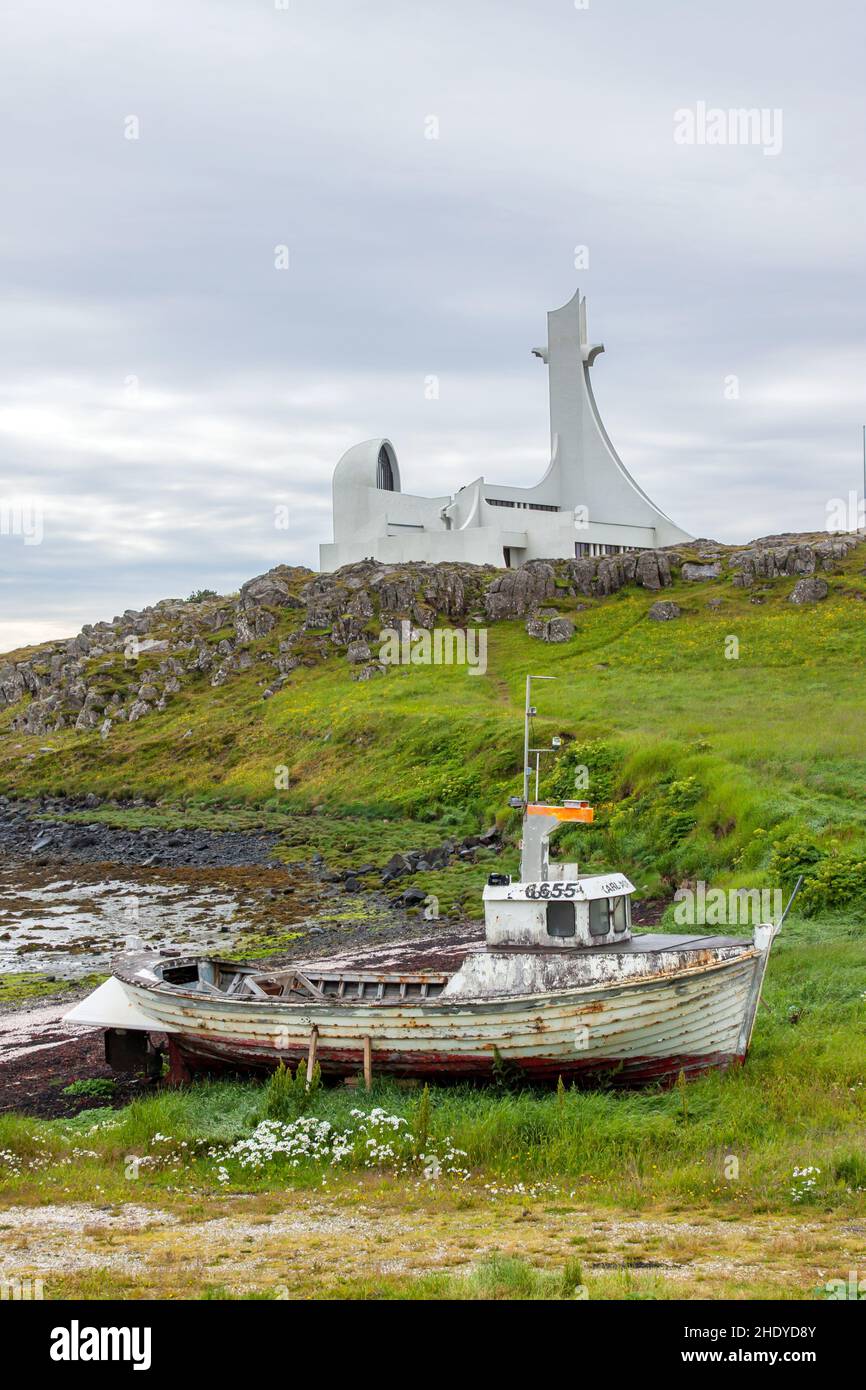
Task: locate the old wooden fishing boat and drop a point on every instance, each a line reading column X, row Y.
column 556, row 985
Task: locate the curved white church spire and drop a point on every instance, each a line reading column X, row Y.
column 586, row 469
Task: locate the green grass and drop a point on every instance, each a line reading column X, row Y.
column 24, row 986
column 96, row 1087
column 496, row 1277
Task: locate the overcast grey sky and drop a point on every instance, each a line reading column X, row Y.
column 164, row 387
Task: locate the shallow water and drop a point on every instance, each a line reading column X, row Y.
column 70, row 924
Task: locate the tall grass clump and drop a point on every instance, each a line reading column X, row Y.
column 288, row 1096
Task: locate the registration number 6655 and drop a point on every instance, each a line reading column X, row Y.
column 551, row 890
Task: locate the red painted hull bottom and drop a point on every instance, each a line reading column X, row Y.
column 189, row 1055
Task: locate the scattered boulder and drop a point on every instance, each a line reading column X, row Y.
column 695, row 573
column 397, row 865
column 664, row 611
column 413, row 897
column 810, row 590
column 358, row 652
column 547, row 625
column 559, row 630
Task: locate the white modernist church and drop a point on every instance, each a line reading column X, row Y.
column 587, row 503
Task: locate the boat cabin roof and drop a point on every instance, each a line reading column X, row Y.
column 570, row 889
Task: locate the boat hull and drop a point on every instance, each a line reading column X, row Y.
column 641, row 1031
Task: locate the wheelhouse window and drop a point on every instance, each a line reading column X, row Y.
column 619, row 913
column 599, row 917
column 560, row 919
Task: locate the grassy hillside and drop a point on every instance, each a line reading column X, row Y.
column 699, row 762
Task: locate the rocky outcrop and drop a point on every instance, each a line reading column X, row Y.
column 515, row 592
column 775, row 558
column 118, row 672
column 344, row 603
column 96, row 680
column 259, row 601
column 47, row 841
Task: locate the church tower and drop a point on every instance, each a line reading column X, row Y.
column 585, row 468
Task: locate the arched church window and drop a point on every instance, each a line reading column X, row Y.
column 384, row 471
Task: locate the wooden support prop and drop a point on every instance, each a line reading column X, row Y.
column 368, row 1062
column 311, row 1054
column 179, row 1073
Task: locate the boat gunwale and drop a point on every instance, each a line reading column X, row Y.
column 439, row 1003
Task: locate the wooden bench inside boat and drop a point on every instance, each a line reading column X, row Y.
column 223, row 980
column 348, row 986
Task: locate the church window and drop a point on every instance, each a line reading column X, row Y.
column 384, row 470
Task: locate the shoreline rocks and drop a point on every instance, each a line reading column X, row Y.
column 73, row 842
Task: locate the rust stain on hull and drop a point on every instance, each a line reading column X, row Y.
column 206, row 1054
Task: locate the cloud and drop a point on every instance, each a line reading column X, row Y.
column 165, row 387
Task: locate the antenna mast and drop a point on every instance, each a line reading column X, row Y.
column 528, row 713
